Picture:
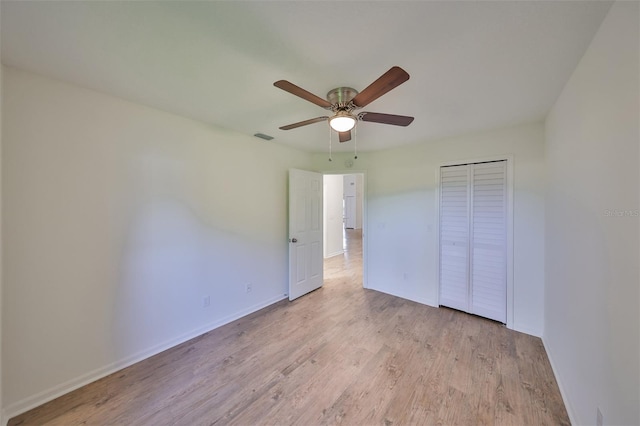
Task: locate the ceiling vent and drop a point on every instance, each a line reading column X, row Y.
column 263, row 136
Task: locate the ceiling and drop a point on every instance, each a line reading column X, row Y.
column 474, row 65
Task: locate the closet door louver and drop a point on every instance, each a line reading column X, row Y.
column 473, row 239
column 488, row 241
column 454, row 237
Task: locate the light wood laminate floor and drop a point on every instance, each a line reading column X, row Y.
column 340, row 355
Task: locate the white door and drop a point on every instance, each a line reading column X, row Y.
column 305, row 232
column 489, row 241
column 454, row 237
column 350, row 212
column 349, row 201
column 473, row 242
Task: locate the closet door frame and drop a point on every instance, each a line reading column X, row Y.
column 509, row 193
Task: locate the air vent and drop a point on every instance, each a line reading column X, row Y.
column 263, row 136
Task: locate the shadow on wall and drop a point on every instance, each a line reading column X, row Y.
column 180, row 276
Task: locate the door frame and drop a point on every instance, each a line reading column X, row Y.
column 509, row 158
column 365, row 221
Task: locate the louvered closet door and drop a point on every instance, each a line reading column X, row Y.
column 473, row 239
column 454, row 237
column 489, row 241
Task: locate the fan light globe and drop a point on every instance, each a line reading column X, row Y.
column 342, row 122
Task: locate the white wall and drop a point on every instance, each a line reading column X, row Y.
column 332, row 215
column 402, row 205
column 591, row 305
column 119, row 219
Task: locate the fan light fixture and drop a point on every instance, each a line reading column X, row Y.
column 342, row 121
column 343, row 101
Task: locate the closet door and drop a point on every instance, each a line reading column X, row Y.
column 489, row 241
column 454, row 237
column 473, row 267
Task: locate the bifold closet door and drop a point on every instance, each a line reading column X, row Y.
column 473, row 266
column 454, row 237
column 488, row 277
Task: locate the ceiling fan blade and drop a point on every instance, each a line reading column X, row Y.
column 304, row 123
column 376, row 117
column 344, row 136
column 389, row 80
column 300, row 92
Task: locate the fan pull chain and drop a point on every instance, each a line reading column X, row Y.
column 355, row 142
column 329, row 143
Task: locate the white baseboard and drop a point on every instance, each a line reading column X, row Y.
column 45, row 396
column 572, row 417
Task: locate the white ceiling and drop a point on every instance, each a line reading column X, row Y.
column 473, row 65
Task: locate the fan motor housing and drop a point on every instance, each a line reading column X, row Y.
column 341, row 95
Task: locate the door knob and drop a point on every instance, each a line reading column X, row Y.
column 293, row 240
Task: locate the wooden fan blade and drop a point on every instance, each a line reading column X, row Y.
column 344, row 136
column 376, row 117
column 300, row 92
column 389, row 80
column 304, row 123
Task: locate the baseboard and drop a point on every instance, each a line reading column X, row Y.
column 45, row 396
column 572, row 417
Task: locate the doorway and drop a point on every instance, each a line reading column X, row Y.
column 343, row 220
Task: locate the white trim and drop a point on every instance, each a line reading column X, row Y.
column 570, row 411
column 365, row 221
column 510, row 257
column 45, row 396
column 509, row 158
column 437, row 230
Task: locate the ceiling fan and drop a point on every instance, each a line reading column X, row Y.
column 343, row 101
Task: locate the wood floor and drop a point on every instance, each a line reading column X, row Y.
column 340, row 355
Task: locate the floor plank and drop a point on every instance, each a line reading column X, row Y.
column 339, row 355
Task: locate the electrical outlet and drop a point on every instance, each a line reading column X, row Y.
column 206, row 301
column 248, row 288
column 599, row 418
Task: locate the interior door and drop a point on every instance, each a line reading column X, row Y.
column 489, row 241
column 349, row 201
column 454, row 237
column 350, row 212
column 305, row 232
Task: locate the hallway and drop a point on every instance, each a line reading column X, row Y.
column 346, row 269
